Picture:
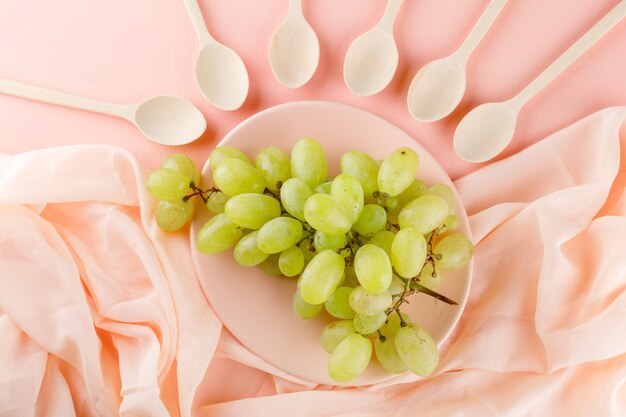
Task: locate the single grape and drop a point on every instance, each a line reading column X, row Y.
column 347, row 191
column 172, row 215
column 222, row 152
column 431, row 277
column 398, row 171
column 304, row 309
column 350, row 358
column 322, row 241
column 321, row 277
column 408, row 252
column 368, row 303
column 167, row 184
column 334, row 333
column 451, row 222
column 279, row 234
column 385, row 349
column 184, row 165
column 416, row 189
column 247, row 252
column 393, row 323
column 456, row 250
column 397, row 286
column 270, row 265
column 251, row 210
column 307, row 253
column 383, row 240
column 362, row 167
column 417, row 349
column 216, row 202
column 233, row 177
column 425, row 213
column 275, row 165
column 444, row 191
column 293, row 195
column 369, row 324
column 308, row 162
column 291, row 261
column 323, row 188
column 217, row 235
column 373, row 268
column 372, row 220
column 338, row 305
column 323, row 213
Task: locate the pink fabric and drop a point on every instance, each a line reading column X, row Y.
column 101, row 313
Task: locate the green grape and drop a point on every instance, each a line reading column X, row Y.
column 293, row 195
column 172, row 215
column 350, row 279
column 398, row 171
column 417, row 349
column 184, row 165
column 275, row 165
column 304, row 309
column 408, row 252
column 368, row 303
column 397, row 286
column 279, row 234
column 338, row 305
column 323, row 188
column 451, row 222
column 320, row 278
column 233, row 177
column 222, row 152
column 308, row 162
column 291, row 261
column 334, row 333
column 383, row 240
column 247, row 252
column 251, row 210
column 307, row 253
column 369, row 324
column 322, row 241
column 216, row 202
column 372, row 220
column 456, row 250
column 167, row 184
column 270, row 265
column 430, row 277
column 350, row 358
column 217, row 235
column 416, row 189
column 373, row 268
column 425, row 213
column 347, row 191
column 385, row 349
column 362, row 167
column 323, row 213
column 444, row 191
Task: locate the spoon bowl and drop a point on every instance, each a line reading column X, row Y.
column 169, row 120
column 294, row 52
column 222, row 76
column 436, row 89
column 370, row 62
column 485, row 131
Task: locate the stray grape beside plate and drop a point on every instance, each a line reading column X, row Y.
column 257, row 308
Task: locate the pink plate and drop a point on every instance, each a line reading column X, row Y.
column 255, row 307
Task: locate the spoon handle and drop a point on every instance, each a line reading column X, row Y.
column 386, row 22
column 480, row 28
column 195, row 14
column 295, row 9
column 572, row 54
column 15, row 88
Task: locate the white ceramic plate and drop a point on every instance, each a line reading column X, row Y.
column 255, row 307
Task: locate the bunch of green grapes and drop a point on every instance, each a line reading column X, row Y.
column 360, row 243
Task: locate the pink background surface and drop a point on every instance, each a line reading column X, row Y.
column 125, row 51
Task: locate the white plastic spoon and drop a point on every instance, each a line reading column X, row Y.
column 372, row 58
column 437, row 88
column 488, row 129
column 220, row 72
column 167, row 120
column 294, row 49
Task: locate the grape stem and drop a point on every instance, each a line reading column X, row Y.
column 200, row 192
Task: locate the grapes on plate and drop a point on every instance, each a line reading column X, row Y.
column 360, row 243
